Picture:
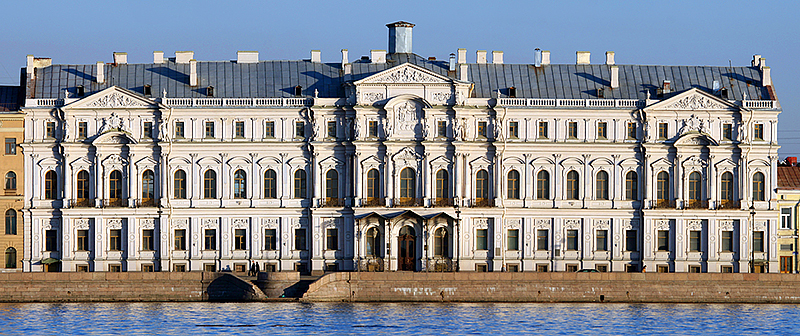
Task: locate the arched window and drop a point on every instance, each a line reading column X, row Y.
column 179, row 184
column 82, row 188
column 148, row 186
column 210, row 184
column 543, row 185
column 662, row 187
column 11, row 257
column 572, row 185
column 115, row 186
column 373, row 186
column 440, row 240
column 270, row 186
column 50, row 185
column 695, row 186
column 11, row 222
column 726, row 187
column 372, row 242
column 332, row 184
column 631, row 186
column 11, row 180
column 513, row 184
column 239, row 184
column 300, row 184
column 758, row 187
column 601, row 185
column 408, row 183
column 442, row 184
column 482, row 186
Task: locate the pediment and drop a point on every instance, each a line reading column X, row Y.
column 114, row 97
column 114, row 138
column 406, row 73
column 692, row 100
column 695, row 139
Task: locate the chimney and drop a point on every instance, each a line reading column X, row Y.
column 462, row 56
column 378, row 56
column 344, row 58
column 614, row 76
column 610, row 58
column 101, row 75
column 158, row 57
column 497, row 57
column 545, row 57
column 762, row 62
column 192, row 72
column 29, row 67
column 537, row 57
column 756, row 59
column 791, row 160
column 120, row 58
column 400, row 37
column 183, row 57
column 452, row 62
column 583, row 57
column 316, row 56
column 665, row 86
column 464, row 69
column 247, row 57
column 481, row 56
column 766, row 79
column 36, row 62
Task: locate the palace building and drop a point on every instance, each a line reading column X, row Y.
column 395, row 161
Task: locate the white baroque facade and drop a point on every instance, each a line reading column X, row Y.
column 399, row 163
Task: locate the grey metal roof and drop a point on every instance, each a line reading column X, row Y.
column 278, row 78
column 9, row 98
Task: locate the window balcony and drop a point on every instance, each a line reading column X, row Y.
column 729, row 204
column 372, row 202
column 83, row 203
column 664, row 204
column 116, row 203
column 407, row 201
column 147, row 202
column 443, row 202
column 695, row 204
column 481, row 203
column 333, row 202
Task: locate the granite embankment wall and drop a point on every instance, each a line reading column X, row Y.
column 555, row 287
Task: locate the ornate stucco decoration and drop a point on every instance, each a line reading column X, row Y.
column 371, row 97
column 147, row 223
column 694, row 224
column 180, row 223
column 572, row 223
column 116, row 100
column 270, row 223
column 114, row 223
column 240, row 223
column 82, row 223
column 542, row 223
column 696, row 102
column 481, row 223
column 661, row 224
column 406, row 115
column 209, row 223
column 602, row 224
column 726, row 225
column 404, row 74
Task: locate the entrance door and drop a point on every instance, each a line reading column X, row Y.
column 407, row 241
column 786, row 264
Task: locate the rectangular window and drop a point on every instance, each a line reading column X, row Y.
column 662, row 269
column 480, row 239
column 630, row 241
column 727, row 241
column 726, row 269
column 542, row 130
column 513, row 240
column 115, row 240
column 572, row 240
column 210, row 239
column 572, row 129
column 299, row 129
column 82, row 130
column 663, row 240
column 148, row 244
column 51, row 240
column 694, row 269
column 758, row 241
column 239, row 129
column 239, row 242
column 441, row 128
column 82, row 243
column 602, row 240
column 269, row 129
column 50, row 130
column 758, row 132
column 373, row 128
column 148, row 268
column 209, row 129
column 572, row 268
column 300, row 239
column 513, row 130
column 332, row 239
column 180, row 240
column 332, row 129
column 270, row 239
column 482, row 129
column 631, row 131
column 727, row 132
column 786, row 218
column 82, row 268
column 179, row 130
column 541, row 240
column 601, row 130
column 179, row 268
column 115, row 268
column 11, row 146
column 662, row 130
column 147, row 132
column 694, row 241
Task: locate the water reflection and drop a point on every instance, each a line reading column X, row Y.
column 396, row 319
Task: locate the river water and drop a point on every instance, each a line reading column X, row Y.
column 396, row 319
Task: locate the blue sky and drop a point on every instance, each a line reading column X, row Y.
column 640, row 32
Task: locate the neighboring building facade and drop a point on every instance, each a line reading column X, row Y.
column 11, row 161
column 788, row 205
column 396, row 162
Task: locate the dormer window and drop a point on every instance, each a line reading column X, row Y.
column 210, row 91
column 512, row 92
column 147, row 90
column 80, row 91
column 298, row 90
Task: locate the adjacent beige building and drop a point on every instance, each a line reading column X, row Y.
column 11, row 166
column 788, row 203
